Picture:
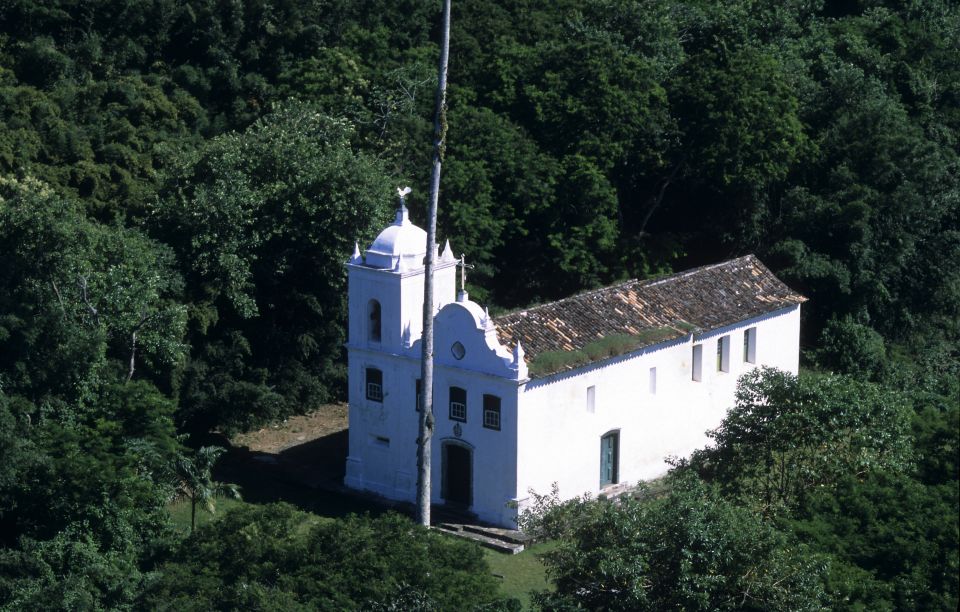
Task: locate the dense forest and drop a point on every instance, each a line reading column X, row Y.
column 181, row 182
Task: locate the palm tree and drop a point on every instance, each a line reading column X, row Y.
column 426, row 372
column 197, row 483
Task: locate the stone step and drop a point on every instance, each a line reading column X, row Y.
column 510, row 548
column 446, row 513
column 508, row 535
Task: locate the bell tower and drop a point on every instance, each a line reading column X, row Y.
column 385, row 296
column 386, row 286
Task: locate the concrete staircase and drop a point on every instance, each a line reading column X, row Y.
column 508, row 541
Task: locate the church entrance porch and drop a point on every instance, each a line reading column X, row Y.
column 457, row 474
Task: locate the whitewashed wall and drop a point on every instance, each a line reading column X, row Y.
column 382, row 456
column 547, row 434
column 387, row 468
column 401, row 299
column 560, row 437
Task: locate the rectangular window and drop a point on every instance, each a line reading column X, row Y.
column 723, row 354
column 750, row 345
column 696, row 369
column 458, row 404
column 653, row 381
column 491, row 412
column 374, row 385
column 591, row 398
column 419, row 389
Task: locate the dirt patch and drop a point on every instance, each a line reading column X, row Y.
column 327, row 420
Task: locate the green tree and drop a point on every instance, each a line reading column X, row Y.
column 893, row 539
column 262, row 222
column 107, row 467
column 68, row 572
column 690, row 549
column 498, row 187
column 787, row 436
column 274, row 556
column 83, row 496
column 894, row 536
column 851, row 348
column 81, row 300
column 871, row 222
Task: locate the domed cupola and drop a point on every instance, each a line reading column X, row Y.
column 402, row 245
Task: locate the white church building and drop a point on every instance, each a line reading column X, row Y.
column 591, row 392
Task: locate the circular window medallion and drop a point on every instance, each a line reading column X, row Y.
column 458, row 350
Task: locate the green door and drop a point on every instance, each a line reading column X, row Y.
column 609, row 449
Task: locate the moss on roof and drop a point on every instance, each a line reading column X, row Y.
column 599, row 324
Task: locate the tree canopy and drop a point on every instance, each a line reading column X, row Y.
column 262, row 222
column 275, row 557
column 180, row 183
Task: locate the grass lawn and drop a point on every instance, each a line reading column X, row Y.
column 521, row 573
column 180, row 512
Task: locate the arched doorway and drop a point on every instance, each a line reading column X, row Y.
column 457, row 474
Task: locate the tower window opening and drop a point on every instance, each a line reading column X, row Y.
column 375, row 321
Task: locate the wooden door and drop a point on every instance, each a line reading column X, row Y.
column 457, row 475
column 609, row 458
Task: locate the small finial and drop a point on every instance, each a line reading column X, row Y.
column 517, row 354
column 487, row 320
column 402, row 192
column 403, row 215
column 356, row 258
column 519, row 365
column 447, row 254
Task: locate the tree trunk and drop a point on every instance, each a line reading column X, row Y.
column 426, row 371
column 133, row 355
column 659, row 199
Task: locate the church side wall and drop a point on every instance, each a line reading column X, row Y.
column 561, row 434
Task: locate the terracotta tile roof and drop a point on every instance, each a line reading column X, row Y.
column 654, row 311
